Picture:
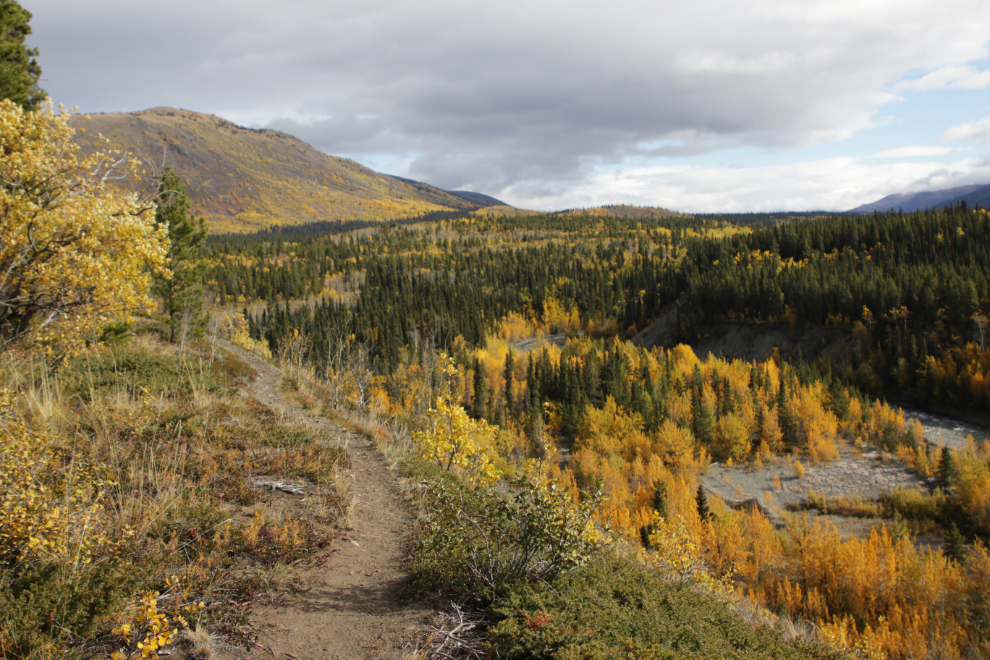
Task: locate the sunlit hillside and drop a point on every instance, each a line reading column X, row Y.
column 623, row 211
column 243, row 180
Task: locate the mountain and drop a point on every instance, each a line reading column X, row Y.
column 242, row 179
column 918, row 201
column 979, row 197
column 477, row 198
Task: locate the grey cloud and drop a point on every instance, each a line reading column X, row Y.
column 522, row 96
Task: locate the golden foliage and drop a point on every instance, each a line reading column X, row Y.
column 452, row 440
column 49, row 511
column 75, row 253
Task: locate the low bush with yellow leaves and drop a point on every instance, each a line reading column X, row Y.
column 52, row 509
column 676, row 555
column 454, row 441
column 148, row 629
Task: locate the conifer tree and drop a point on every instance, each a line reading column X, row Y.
column 19, row 70
column 702, row 501
column 480, row 390
column 509, row 375
column 702, row 419
column 182, row 294
column 955, row 545
column 946, row 469
column 784, row 417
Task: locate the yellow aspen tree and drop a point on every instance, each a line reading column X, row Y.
column 75, row 252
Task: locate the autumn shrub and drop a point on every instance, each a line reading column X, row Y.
column 842, row 505
column 48, row 608
column 269, row 540
column 676, row 556
column 60, row 570
column 613, row 608
column 478, row 540
column 76, row 252
column 454, row 441
column 912, row 504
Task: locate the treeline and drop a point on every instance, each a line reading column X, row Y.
column 754, row 220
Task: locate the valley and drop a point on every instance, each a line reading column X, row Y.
column 659, row 355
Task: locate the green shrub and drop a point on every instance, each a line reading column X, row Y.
column 140, row 371
column 478, row 541
column 613, row 608
column 912, row 504
column 49, row 608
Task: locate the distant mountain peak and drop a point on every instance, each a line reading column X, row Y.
column 917, row 201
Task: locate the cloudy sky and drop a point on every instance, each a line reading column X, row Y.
column 716, row 105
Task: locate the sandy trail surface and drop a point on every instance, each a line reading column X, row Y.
column 350, row 606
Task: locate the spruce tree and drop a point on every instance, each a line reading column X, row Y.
column 702, row 501
column 480, row 390
column 784, row 418
column 182, row 294
column 946, row 469
column 509, row 377
column 702, row 419
column 19, row 70
column 955, row 544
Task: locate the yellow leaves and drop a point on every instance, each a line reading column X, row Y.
column 454, row 440
column 152, row 628
column 48, row 511
column 611, row 430
column 677, row 554
column 75, row 253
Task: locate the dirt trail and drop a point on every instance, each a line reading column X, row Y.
column 349, row 608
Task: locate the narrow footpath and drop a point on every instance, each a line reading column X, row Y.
column 348, row 607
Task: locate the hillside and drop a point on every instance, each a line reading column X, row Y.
column 917, row 201
column 979, row 197
column 478, row 198
column 623, row 211
column 243, row 180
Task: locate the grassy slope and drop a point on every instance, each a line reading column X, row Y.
column 243, row 180
column 184, row 454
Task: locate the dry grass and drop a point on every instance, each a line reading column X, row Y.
column 179, row 506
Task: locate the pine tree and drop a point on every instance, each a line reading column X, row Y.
column 19, row 70
column 659, row 499
column 702, row 419
column 509, row 376
column 784, row 417
column 182, row 294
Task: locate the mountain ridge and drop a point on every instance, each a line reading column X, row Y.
column 917, row 201
column 246, row 179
